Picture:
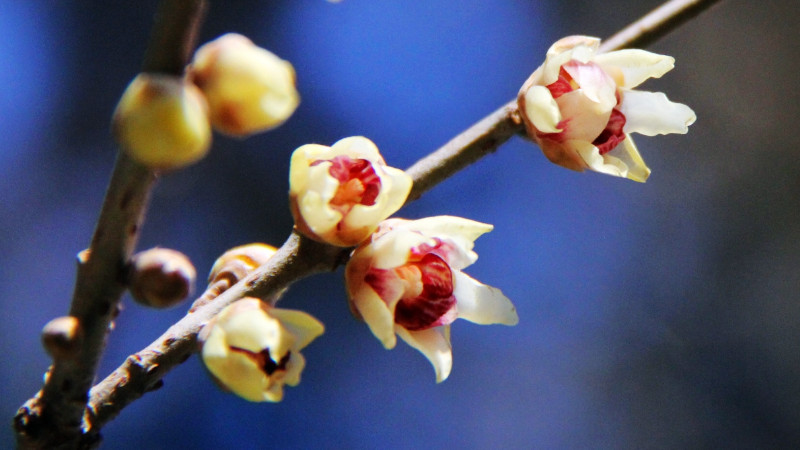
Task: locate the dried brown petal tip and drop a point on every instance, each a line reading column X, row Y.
column 161, row 278
column 61, row 337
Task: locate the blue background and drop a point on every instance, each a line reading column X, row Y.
column 663, row 315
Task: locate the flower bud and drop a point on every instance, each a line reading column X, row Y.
column 339, row 194
column 61, row 337
column 160, row 277
column 253, row 349
column 231, row 267
column 161, row 121
column 248, row 88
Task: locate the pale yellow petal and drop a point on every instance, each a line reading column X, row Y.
column 599, row 163
column 629, row 155
column 635, row 65
column 435, row 345
column 542, row 110
column 375, row 312
column 482, row 304
column 303, row 326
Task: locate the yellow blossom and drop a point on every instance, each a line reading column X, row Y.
column 340, row 194
column 253, row 349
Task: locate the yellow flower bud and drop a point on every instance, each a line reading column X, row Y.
column 161, row 278
column 248, row 88
column 162, row 122
column 253, row 349
column 231, row 267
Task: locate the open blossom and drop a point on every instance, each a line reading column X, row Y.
column 407, row 281
column 340, row 194
column 253, row 349
column 580, row 106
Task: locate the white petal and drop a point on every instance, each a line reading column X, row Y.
column 482, row 304
column 629, row 155
column 542, row 110
column 595, row 84
column 651, row 113
column 434, row 343
column 392, row 248
column 597, row 162
column 635, row 65
column 453, row 226
column 356, row 147
column 580, row 48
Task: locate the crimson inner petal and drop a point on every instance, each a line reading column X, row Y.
column 612, row 135
column 346, row 169
column 561, row 86
column 429, row 308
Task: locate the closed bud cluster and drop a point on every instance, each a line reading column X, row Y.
column 253, row 349
column 161, row 121
column 248, row 88
column 161, row 278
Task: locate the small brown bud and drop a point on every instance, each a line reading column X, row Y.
column 61, row 337
column 161, row 278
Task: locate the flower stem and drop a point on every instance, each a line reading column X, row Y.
column 53, row 417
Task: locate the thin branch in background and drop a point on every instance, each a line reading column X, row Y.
column 54, row 415
column 300, row 257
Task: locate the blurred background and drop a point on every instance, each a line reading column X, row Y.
column 663, row 315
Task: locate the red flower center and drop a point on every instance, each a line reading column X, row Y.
column 427, row 291
column 358, row 182
column 612, row 134
column 430, row 307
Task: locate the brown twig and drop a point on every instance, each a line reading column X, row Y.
column 54, row 416
column 300, row 257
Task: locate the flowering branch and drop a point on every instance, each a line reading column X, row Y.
column 99, row 283
column 300, row 257
column 54, row 415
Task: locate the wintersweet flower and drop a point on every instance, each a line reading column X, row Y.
column 249, row 89
column 340, row 194
column 580, row 106
column 253, row 349
column 406, row 280
column 162, row 122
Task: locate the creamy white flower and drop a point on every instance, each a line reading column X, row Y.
column 406, row 281
column 253, row 349
column 248, row 88
column 340, row 194
column 580, row 106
